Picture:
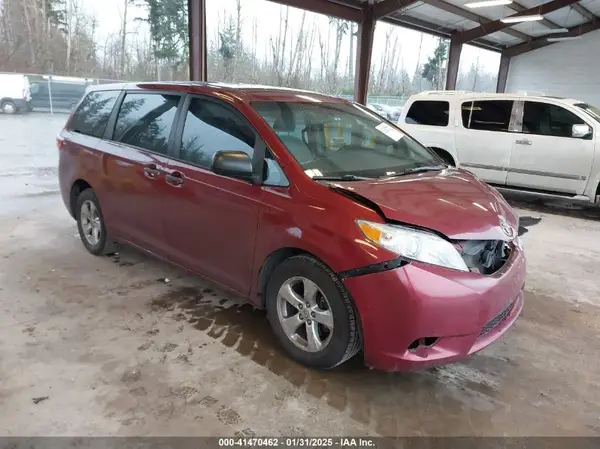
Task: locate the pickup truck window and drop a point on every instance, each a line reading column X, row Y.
column 432, row 113
column 487, row 115
column 546, row 119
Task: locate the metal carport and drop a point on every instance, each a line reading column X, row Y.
column 450, row 19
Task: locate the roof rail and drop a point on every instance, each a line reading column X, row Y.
column 531, row 93
column 446, row 92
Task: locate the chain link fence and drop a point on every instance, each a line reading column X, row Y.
column 59, row 94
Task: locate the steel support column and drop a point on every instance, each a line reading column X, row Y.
column 366, row 30
column 197, row 33
column 453, row 61
column 502, row 73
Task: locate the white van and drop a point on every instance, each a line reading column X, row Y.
column 534, row 143
column 14, row 93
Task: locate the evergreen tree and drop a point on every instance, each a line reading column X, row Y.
column 168, row 21
column 228, row 47
column 56, row 13
column 432, row 70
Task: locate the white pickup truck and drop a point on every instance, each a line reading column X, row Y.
column 535, row 143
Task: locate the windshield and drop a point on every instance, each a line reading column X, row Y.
column 339, row 139
column 592, row 111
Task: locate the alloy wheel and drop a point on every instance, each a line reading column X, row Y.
column 91, row 223
column 305, row 314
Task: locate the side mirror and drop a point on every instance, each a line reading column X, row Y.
column 234, row 164
column 581, row 131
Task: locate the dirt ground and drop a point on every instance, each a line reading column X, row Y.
column 126, row 345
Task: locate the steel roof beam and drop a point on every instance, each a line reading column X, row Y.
column 457, row 11
column 423, row 26
column 584, row 12
column 386, row 7
column 340, row 11
column 548, row 23
column 541, row 42
column 498, row 25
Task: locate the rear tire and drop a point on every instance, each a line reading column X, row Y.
column 91, row 226
column 8, row 107
column 306, row 293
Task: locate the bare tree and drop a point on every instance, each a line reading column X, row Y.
column 69, row 34
column 123, row 37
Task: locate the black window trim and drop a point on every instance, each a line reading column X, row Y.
column 260, row 146
column 112, row 121
column 513, row 114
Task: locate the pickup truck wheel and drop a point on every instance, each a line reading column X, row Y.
column 312, row 314
column 8, row 107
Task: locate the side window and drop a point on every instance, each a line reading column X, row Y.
column 273, row 174
column 34, row 88
column 91, row 117
column 548, row 120
column 145, row 121
column 432, row 113
column 210, row 127
column 487, row 115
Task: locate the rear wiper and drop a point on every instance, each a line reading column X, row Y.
column 340, row 178
column 418, row 170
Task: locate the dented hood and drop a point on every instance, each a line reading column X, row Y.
column 452, row 202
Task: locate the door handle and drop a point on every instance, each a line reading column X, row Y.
column 175, row 179
column 523, row 142
column 151, row 171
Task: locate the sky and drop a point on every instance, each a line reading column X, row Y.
column 264, row 14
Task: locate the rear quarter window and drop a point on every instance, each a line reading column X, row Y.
column 431, row 113
column 91, row 117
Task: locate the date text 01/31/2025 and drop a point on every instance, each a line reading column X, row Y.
column 293, row 442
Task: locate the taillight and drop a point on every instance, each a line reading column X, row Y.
column 60, row 143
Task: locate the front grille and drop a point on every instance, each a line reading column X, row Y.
column 496, row 320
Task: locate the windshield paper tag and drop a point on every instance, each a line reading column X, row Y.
column 313, row 172
column 392, row 133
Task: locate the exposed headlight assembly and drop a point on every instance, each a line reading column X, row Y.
column 413, row 244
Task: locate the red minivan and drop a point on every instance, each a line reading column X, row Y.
column 351, row 234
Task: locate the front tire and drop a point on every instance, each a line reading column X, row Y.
column 91, row 226
column 9, row 107
column 312, row 314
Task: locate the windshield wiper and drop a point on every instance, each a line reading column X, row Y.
column 423, row 169
column 340, row 178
